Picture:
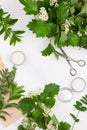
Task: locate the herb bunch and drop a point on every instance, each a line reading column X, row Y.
column 6, row 23
column 63, row 20
column 9, row 91
column 37, row 109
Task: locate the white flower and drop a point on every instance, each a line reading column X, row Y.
column 25, row 122
column 66, row 29
column 35, row 93
column 42, row 10
column 56, row 4
column 85, row 32
column 79, row 33
column 67, row 24
column 51, row 126
column 43, row 15
column 53, row 2
column 46, row 110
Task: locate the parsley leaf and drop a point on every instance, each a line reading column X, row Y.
column 52, row 89
column 27, row 105
column 41, row 28
column 64, row 126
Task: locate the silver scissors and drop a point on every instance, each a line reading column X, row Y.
column 80, row 62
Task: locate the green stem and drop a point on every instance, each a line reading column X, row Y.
column 75, row 121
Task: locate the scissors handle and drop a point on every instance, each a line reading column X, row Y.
column 81, row 63
column 73, row 71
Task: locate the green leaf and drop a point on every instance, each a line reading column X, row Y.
column 47, row 97
column 31, row 6
column 5, row 27
column 16, row 92
column 37, row 113
column 62, row 41
column 41, row 28
column 74, row 117
column 20, row 127
column 47, row 119
column 72, row 10
column 62, row 13
column 6, row 80
column 27, row 105
column 64, row 126
column 48, row 51
column 84, row 9
column 11, row 21
column 7, row 34
column 49, row 102
column 73, row 2
column 2, row 30
column 1, row 104
column 19, row 32
column 23, row 2
column 79, row 20
column 52, row 89
column 13, row 39
column 83, row 41
column 84, row 100
column 54, row 119
column 79, row 106
column 73, row 39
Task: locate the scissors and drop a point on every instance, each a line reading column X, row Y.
column 80, row 62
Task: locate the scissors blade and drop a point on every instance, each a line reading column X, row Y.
column 60, row 54
column 64, row 53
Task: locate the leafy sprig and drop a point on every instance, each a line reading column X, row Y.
column 6, row 80
column 37, row 107
column 65, row 21
column 81, row 106
column 6, row 23
column 9, row 91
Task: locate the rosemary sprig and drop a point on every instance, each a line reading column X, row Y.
column 9, row 91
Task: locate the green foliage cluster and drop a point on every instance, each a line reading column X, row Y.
column 6, row 23
column 37, row 116
column 75, row 12
column 33, row 108
column 9, row 89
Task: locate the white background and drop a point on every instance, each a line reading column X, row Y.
column 38, row 70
